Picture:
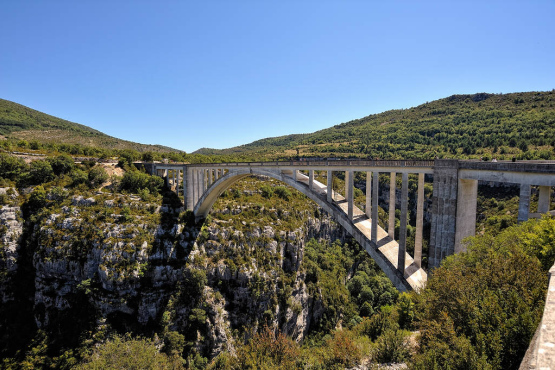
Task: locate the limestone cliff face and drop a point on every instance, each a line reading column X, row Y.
column 11, row 227
column 135, row 268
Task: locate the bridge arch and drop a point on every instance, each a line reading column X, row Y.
column 413, row 278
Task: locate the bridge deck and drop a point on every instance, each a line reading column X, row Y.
column 414, row 275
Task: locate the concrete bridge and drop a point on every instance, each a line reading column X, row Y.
column 453, row 213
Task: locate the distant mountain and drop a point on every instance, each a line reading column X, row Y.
column 518, row 125
column 20, row 122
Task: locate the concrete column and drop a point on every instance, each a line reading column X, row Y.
column 200, row 186
column 204, row 181
column 310, row 179
column 294, row 175
column 403, row 224
column 374, row 230
column 177, row 175
column 185, row 187
column 444, row 211
column 217, row 174
column 349, row 184
column 368, row 209
column 419, row 221
column 467, row 194
column 329, row 196
column 167, row 178
column 544, row 200
column 194, row 186
column 188, row 188
column 392, row 186
column 524, row 202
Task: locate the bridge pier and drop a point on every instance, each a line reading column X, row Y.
column 392, row 189
column 368, row 205
column 374, row 218
column 544, row 200
column 419, row 221
column 403, row 224
column 467, row 195
column 444, row 212
column 329, row 194
column 349, row 190
column 524, row 202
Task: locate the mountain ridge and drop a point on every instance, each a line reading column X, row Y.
column 24, row 123
column 458, row 126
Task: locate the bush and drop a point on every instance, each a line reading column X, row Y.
column 40, row 172
column 283, row 192
column 97, row 176
column 392, row 346
column 128, row 353
column 266, row 350
column 78, row 177
column 492, row 296
column 267, row 191
column 11, row 167
column 134, row 181
column 61, row 164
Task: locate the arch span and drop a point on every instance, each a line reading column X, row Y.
column 385, row 252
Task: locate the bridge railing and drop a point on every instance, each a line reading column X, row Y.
column 327, row 162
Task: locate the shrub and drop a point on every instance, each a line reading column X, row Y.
column 61, row 164
column 11, row 167
column 283, row 192
column 97, row 176
column 392, row 346
column 128, row 353
column 39, row 173
column 499, row 290
column 78, row 177
column 267, row 191
column 266, row 350
column 134, row 181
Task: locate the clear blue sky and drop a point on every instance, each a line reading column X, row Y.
column 224, row 73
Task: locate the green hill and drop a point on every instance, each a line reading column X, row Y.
column 20, row 122
column 518, row 125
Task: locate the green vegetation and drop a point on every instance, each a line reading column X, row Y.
column 36, row 128
column 520, row 125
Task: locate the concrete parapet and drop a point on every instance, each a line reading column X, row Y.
column 543, row 348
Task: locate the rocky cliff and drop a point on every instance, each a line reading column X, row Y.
column 107, row 261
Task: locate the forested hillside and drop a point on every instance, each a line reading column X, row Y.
column 520, row 125
column 20, row 122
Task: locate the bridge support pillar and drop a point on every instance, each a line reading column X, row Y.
column 444, row 211
column 167, row 178
column 524, row 202
column 419, row 221
column 329, row 195
column 349, row 184
column 187, row 182
column 374, row 224
column 310, row 179
column 403, row 225
column 368, row 208
column 544, row 200
column 467, row 194
column 392, row 188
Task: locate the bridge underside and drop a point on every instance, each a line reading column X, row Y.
column 384, row 250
